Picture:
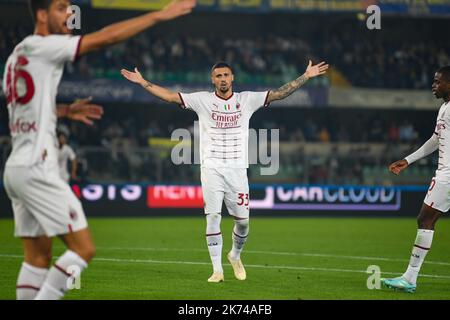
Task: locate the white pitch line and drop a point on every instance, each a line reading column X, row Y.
column 281, row 253
column 149, row 261
column 320, row 255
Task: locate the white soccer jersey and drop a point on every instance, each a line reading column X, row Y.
column 224, row 126
column 66, row 153
column 443, row 132
column 32, row 75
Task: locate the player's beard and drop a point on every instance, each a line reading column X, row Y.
column 438, row 94
column 55, row 27
column 224, row 89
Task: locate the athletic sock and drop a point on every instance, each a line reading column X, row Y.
column 58, row 278
column 239, row 236
column 30, row 281
column 421, row 247
column 214, row 240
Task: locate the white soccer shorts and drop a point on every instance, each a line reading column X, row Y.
column 438, row 196
column 43, row 204
column 229, row 185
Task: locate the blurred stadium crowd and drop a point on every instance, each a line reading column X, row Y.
column 355, row 147
column 366, row 59
column 138, row 126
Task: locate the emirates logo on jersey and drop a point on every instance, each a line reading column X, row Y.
column 225, row 118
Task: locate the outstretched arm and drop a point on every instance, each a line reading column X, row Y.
column 121, row 31
column 160, row 92
column 428, row 147
column 289, row 88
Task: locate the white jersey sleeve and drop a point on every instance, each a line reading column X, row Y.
column 58, row 48
column 427, row 148
column 254, row 100
column 192, row 101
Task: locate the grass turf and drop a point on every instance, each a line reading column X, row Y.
column 300, row 258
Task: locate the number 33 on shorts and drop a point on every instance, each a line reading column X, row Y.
column 243, row 199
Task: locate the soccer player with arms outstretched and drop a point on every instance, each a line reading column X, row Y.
column 224, row 117
column 437, row 199
column 43, row 204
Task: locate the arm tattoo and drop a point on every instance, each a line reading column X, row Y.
column 147, row 84
column 287, row 89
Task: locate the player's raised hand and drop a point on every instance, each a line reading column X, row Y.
column 135, row 77
column 84, row 111
column 398, row 166
column 177, row 8
column 316, row 70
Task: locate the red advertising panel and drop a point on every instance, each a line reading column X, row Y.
column 174, row 197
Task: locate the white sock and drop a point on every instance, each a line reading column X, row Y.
column 30, row 281
column 239, row 236
column 58, row 278
column 214, row 240
column 421, row 247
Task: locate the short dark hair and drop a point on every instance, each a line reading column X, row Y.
column 221, row 64
column 61, row 133
column 36, row 5
column 445, row 72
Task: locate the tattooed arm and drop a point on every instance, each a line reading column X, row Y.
column 157, row 91
column 287, row 89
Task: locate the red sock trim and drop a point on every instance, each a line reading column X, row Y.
column 214, row 234
column 421, row 247
column 62, row 270
column 242, row 237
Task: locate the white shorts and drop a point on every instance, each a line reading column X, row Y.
column 438, row 196
column 43, row 204
column 229, row 184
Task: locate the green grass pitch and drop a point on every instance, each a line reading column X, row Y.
column 285, row 258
